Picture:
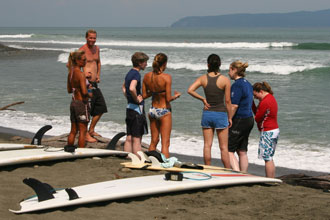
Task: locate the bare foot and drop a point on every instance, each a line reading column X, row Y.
column 90, row 139
column 94, row 134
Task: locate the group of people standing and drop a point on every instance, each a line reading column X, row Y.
column 228, row 109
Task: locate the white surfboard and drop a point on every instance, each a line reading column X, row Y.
column 154, row 164
column 49, row 154
column 10, row 146
column 35, row 143
column 127, row 188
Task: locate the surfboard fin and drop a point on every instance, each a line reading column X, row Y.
column 114, row 140
column 189, row 166
column 155, row 162
column 36, row 140
column 144, row 157
column 72, row 194
column 43, row 190
column 135, row 159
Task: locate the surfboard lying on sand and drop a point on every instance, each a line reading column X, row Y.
column 48, row 198
column 152, row 163
column 35, row 143
column 50, row 154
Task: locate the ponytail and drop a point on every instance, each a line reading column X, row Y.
column 262, row 86
column 69, row 65
column 159, row 60
column 241, row 67
column 214, row 63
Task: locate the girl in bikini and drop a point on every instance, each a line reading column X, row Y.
column 158, row 85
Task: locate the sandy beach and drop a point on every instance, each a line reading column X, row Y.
column 260, row 201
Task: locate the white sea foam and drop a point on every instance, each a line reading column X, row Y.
column 213, row 45
column 122, row 57
column 282, row 69
column 288, row 154
column 41, row 48
column 16, row 35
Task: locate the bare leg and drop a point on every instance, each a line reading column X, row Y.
column 95, row 119
column 72, row 135
column 243, row 160
column 154, row 129
column 223, row 144
column 233, row 161
column 136, row 145
column 165, row 130
column 270, row 168
column 82, row 134
column 208, row 134
column 128, row 146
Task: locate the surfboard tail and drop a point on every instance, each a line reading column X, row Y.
column 44, row 191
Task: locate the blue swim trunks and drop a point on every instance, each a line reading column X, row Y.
column 217, row 120
column 267, row 144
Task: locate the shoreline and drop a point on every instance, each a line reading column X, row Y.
column 7, row 133
column 246, row 201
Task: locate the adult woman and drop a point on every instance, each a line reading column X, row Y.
column 215, row 114
column 158, row 85
column 241, row 100
column 266, row 118
column 79, row 108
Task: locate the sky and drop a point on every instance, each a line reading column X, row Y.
column 135, row 13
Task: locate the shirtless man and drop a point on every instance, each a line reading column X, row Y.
column 93, row 68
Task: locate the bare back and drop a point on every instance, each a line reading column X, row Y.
column 158, row 86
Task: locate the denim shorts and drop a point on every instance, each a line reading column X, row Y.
column 217, row 120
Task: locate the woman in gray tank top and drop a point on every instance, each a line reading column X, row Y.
column 217, row 106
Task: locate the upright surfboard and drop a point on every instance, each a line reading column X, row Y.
column 51, row 154
column 48, row 198
column 35, row 143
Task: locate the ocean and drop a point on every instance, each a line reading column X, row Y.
column 296, row 63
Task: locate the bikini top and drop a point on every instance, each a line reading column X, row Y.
column 158, row 92
column 74, row 89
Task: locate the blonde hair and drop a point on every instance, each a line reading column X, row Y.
column 159, row 60
column 139, row 57
column 262, row 86
column 73, row 57
column 241, row 67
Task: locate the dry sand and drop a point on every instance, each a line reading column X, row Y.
column 281, row 201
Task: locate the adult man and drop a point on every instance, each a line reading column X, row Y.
column 93, row 68
column 136, row 124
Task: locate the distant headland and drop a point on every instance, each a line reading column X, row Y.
column 292, row 19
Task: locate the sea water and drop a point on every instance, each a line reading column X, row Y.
column 296, row 63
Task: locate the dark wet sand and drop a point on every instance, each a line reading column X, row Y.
column 281, row 201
